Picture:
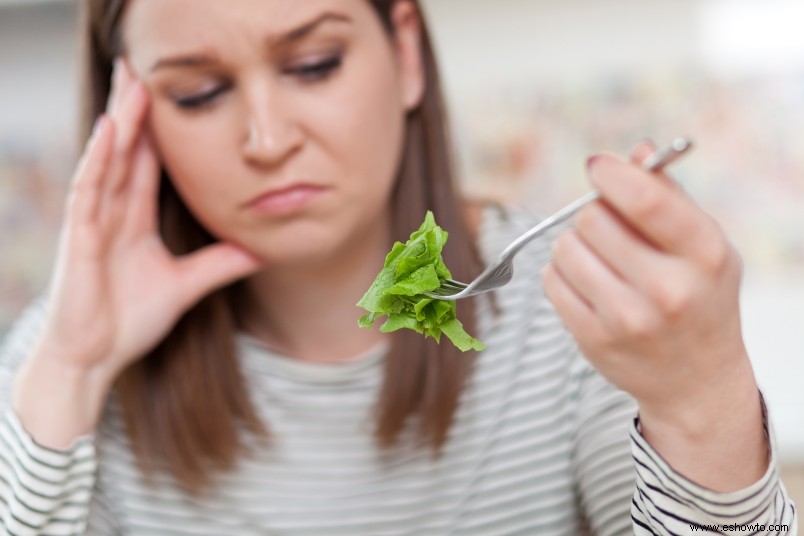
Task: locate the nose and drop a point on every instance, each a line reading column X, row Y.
column 271, row 135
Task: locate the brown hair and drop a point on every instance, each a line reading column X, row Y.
column 183, row 401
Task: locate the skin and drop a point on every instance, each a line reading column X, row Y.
column 116, row 290
column 271, row 125
column 647, row 283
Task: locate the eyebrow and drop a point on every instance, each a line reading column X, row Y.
column 296, row 34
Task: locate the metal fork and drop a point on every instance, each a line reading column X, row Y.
column 501, row 272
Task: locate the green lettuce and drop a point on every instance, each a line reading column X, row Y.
column 410, row 270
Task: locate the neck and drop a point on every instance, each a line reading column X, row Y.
column 309, row 312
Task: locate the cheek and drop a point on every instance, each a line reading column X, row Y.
column 191, row 153
column 362, row 124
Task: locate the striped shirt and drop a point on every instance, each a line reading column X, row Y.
column 542, row 445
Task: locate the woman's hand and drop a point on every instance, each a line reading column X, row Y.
column 649, row 285
column 116, row 290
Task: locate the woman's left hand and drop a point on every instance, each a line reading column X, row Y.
column 649, row 285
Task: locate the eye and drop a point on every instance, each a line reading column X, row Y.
column 318, row 70
column 199, row 100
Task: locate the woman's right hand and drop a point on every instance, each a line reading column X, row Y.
column 116, row 289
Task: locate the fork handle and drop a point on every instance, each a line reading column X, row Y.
column 654, row 162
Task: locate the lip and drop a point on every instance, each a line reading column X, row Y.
column 286, row 199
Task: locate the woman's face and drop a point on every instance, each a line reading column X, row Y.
column 302, row 100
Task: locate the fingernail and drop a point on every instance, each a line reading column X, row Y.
column 98, row 125
column 591, row 172
column 117, row 69
column 648, row 141
column 126, row 68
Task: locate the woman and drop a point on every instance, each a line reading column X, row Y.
column 196, row 365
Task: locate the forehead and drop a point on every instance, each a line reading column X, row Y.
column 153, row 27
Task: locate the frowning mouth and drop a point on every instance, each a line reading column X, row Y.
column 285, row 200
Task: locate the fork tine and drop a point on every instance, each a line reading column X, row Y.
column 444, row 291
column 439, row 293
column 447, row 290
column 451, row 283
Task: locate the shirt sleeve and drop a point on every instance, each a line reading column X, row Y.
column 667, row 503
column 43, row 490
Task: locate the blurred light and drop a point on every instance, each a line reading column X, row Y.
column 753, row 35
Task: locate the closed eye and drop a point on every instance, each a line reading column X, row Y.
column 319, row 70
column 200, row 99
column 309, row 73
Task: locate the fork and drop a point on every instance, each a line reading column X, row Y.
column 501, row 272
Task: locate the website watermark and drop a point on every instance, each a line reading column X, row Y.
column 752, row 528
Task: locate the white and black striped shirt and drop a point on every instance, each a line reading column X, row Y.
column 541, row 445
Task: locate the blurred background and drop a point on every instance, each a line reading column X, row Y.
column 533, row 87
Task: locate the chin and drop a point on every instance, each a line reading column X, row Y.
column 290, row 249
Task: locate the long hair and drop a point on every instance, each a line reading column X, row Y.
column 185, row 403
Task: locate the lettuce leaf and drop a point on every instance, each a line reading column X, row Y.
column 411, row 269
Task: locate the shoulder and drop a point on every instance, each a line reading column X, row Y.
column 22, row 334
column 479, row 212
column 520, row 313
column 495, row 224
column 17, row 344
column 522, row 301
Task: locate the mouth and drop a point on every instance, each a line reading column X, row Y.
column 285, row 200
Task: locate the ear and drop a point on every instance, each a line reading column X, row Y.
column 408, row 42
